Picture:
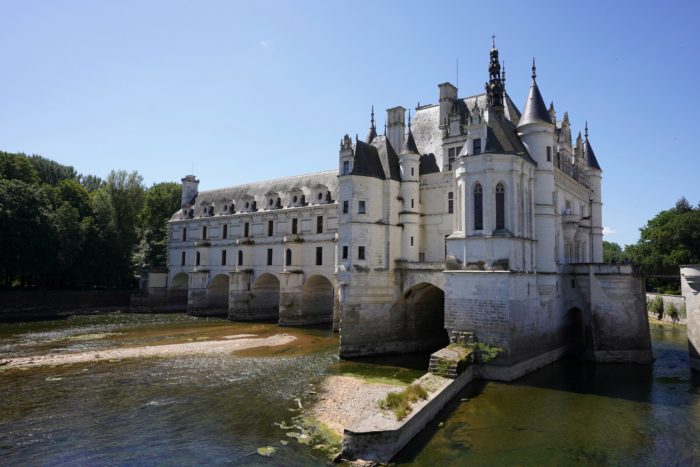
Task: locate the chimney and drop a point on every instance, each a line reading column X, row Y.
column 396, row 127
column 448, row 96
column 190, row 189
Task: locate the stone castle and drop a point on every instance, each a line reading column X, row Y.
column 472, row 216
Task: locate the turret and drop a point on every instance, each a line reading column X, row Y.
column 536, row 131
column 594, row 175
column 409, row 215
column 372, row 129
column 190, row 189
column 396, row 126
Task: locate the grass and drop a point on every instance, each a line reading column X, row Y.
column 400, row 402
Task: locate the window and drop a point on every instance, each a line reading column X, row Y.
column 319, row 224
column 361, row 208
column 413, row 171
column 500, row 206
column 269, row 256
column 295, row 199
column 412, row 205
column 182, row 259
column 549, row 153
column 345, row 206
column 346, row 168
column 411, row 240
column 225, row 232
column 288, row 257
column 345, row 252
column 197, row 260
column 246, row 229
column 360, row 252
column 478, row 208
column 319, row 255
column 450, row 158
column 450, row 203
column 477, row 146
column 204, row 232
column 271, row 201
column 295, row 225
column 240, row 258
column 270, row 228
column 223, row 257
column 320, row 196
column 184, row 234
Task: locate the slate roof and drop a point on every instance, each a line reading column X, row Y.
column 258, row 190
column 427, row 164
column 590, row 156
column 367, row 162
column 535, row 111
column 388, row 157
column 502, row 137
column 411, row 143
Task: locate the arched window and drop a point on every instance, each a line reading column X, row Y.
column 500, row 206
column 288, row 257
column 478, row 208
column 240, row 258
column 197, row 260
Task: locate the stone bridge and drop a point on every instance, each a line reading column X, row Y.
column 290, row 297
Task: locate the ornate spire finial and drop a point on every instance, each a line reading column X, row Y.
column 384, row 128
column 586, row 130
column 409, row 119
column 534, row 69
column 503, row 72
column 372, row 117
column 493, row 41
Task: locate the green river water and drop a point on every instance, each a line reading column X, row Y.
column 196, row 409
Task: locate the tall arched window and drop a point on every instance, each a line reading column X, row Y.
column 500, row 206
column 478, row 208
column 288, row 257
column 240, row 258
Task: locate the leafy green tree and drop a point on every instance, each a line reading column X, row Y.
column 90, row 182
column 613, row 253
column 17, row 167
column 160, row 202
column 52, row 172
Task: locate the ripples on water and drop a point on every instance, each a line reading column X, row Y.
column 220, row 409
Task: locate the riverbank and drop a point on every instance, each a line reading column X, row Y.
column 228, row 344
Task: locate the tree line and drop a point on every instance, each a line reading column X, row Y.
column 669, row 239
column 62, row 229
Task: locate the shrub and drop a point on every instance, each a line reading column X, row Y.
column 657, row 306
column 671, row 311
column 400, row 402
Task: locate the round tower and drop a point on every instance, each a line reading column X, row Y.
column 594, row 175
column 409, row 216
column 536, row 131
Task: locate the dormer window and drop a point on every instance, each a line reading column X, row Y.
column 346, row 168
column 477, row 146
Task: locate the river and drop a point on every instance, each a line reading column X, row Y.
column 220, row 409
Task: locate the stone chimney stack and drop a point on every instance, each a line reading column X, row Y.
column 190, row 189
column 448, row 96
column 396, row 127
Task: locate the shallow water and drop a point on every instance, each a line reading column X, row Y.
column 221, row 409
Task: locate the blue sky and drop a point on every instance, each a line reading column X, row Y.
column 245, row 91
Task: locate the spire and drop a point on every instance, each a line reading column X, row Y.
column 503, row 73
column 410, row 141
column 588, row 152
column 535, row 110
column 372, row 129
column 495, row 88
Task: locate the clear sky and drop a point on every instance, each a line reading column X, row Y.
column 244, row 91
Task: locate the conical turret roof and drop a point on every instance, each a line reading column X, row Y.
column 589, row 154
column 535, row 110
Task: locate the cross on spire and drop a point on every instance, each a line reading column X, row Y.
column 493, row 40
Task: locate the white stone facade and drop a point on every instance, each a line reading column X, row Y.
column 472, row 216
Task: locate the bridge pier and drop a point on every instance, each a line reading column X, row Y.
column 197, row 293
column 239, row 296
column 291, row 287
column 690, row 286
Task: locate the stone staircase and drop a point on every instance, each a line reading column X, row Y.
column 446, row 361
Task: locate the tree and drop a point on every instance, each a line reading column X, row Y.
column 17, row 167
column 52, row 172
column 613, row 252
column 160, row 202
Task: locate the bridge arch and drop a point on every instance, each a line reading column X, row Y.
column 180, row 281
column 265, row 297
column 177, row 292
column 317, row 300
column 217, row 293
column 417, row 318
column 575, row 329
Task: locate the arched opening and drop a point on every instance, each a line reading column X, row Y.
column 177, row 292
column 478, row 207
column 265, row 298
column 417, row 319
column 575, row 331
column 217, row 293
column 500, row 207
column 317, row 300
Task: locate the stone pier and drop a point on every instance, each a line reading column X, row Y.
column 690, row 286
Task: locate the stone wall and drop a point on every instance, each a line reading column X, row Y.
column 690, row 286
column 18, row 305
column 677, row 300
